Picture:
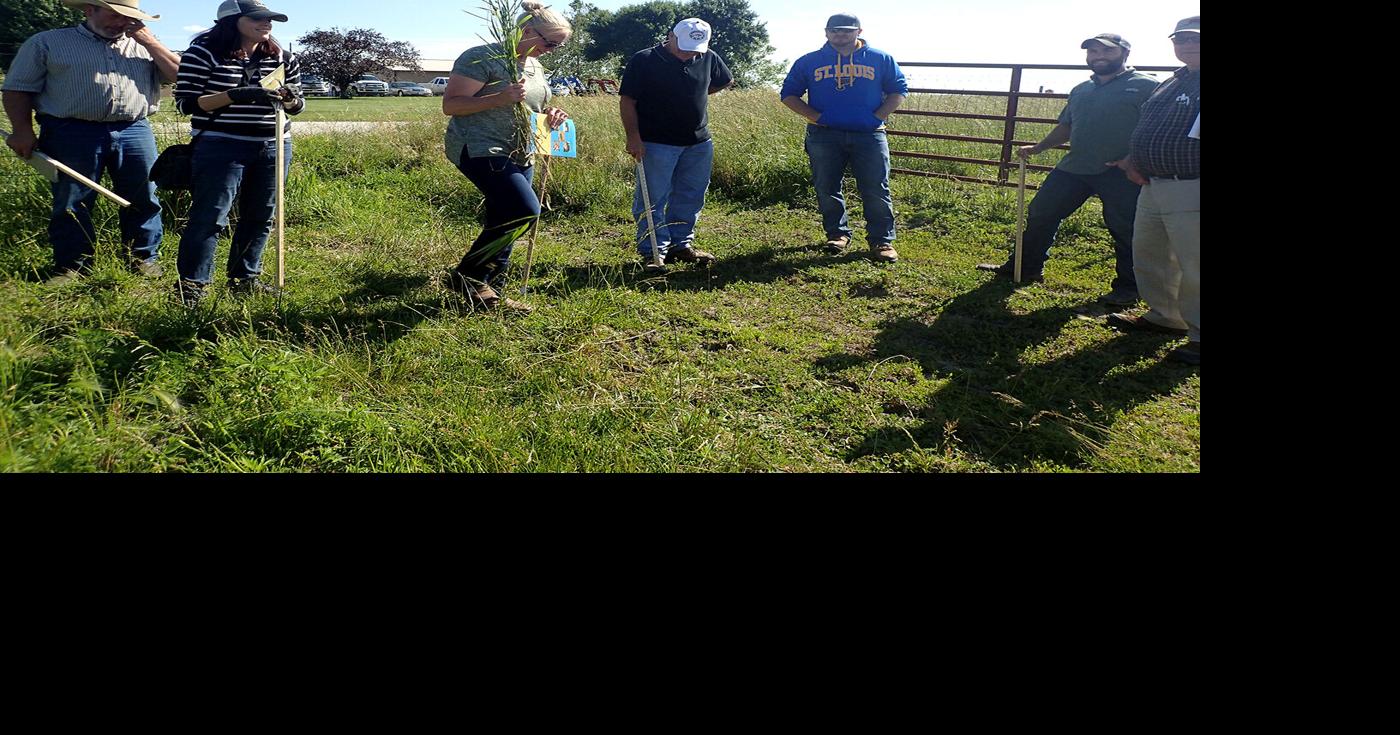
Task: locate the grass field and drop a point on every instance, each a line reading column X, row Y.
column 779, row 358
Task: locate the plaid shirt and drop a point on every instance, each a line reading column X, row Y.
column 1160, row 146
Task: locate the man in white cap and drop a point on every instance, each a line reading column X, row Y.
column 1166, row 160
column 92, row 87
column 665, row 112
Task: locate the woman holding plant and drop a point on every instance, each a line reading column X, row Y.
column 492, row 90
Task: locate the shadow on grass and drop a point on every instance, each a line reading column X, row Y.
column 1008, row 414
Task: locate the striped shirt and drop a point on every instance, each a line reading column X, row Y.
column 75, row 73
column 201, row 74
column 1161, row 146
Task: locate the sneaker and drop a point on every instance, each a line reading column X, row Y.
column 689, row 255
column 1008, row 270
column 241, row 288
column 146, row 268
column 482, row 296
column 519, row 307
column 63, row 277
column 1120, row 297
column 837, row 245
column 1127, row 323
column 1189, row 353
column 883, row 253
column 190, row 293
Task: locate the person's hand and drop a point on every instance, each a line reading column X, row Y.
column 252, row 95
column 1026, row 151
column 1126, row 164
column 140, row 33
column 636, row 148
column 23, row 144
column 556, row 117
column 513, row 94
column 288, row 95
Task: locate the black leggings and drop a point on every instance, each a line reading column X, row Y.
column 511, row 207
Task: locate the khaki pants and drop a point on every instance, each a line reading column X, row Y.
column 1167, row 253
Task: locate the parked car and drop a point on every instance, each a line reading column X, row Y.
column 409, row 89
column 314, row 86
column 369, row 85
column 438, row 86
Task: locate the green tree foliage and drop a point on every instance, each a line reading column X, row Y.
column 741, row 39
column 738, row 34
column 340, row 56
column 572, row 58
column 24, row 18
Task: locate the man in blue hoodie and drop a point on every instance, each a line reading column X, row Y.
column 851, row 89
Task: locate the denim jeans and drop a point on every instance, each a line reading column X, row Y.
column 868, row 154
column 223, row 168
column 677, row 178
column 1059, row 197
column 511, row 206
column 126, row 151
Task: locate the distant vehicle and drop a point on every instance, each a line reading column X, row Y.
column 314, row 86
column 369, row 85
column 567, row 85
column 438, row 86
column 409, row 89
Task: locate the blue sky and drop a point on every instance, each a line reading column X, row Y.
column 987, row 31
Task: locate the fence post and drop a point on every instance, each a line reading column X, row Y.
column 1009, row 134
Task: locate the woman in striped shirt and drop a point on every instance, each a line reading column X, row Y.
column 235, row 130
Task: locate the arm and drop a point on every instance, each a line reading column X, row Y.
column 460, row 96
column 1058, row 136
column 19, row 107
column 796, row 104
column 887, row 108
column 635, row 147
column 166, row 61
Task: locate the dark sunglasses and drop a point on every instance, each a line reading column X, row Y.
column 547, row 43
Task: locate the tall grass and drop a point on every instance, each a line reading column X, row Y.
column 778, row 358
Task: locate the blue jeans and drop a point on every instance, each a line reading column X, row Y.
column 1059, row 197
column 125, row 151
column 223, row 168
column 511, row 207
column 677, row 178
column 868, row 154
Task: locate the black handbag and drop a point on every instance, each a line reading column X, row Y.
column 174, row 169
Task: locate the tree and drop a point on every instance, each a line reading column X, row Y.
column 24, row 18
column 741, row 39
column 633, row 28
column 340, row 56
column 738, row 35
column 572, row 58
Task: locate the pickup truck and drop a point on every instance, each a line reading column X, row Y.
column 369, row 85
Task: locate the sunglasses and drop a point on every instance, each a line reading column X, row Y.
column 548, row 44
column 1181, row 39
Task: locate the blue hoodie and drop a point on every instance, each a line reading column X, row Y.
column 846, row 89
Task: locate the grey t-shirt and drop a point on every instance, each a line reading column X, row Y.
column 1101, row 118
column 493, row 132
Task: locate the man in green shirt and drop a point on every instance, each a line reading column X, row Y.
column 1097, row 122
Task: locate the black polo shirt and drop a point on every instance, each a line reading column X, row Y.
column 673, row 95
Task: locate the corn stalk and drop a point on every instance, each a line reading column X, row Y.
column 505, row 33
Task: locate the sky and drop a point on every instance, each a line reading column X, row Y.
column 981, row 31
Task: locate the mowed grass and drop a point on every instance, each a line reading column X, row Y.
column 779, row 358
column 369, row 109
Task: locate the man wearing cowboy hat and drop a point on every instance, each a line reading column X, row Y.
column 92, row 87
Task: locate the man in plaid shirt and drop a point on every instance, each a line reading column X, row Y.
column 1166, row 159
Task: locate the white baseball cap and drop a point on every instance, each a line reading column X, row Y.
column 692, row 34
